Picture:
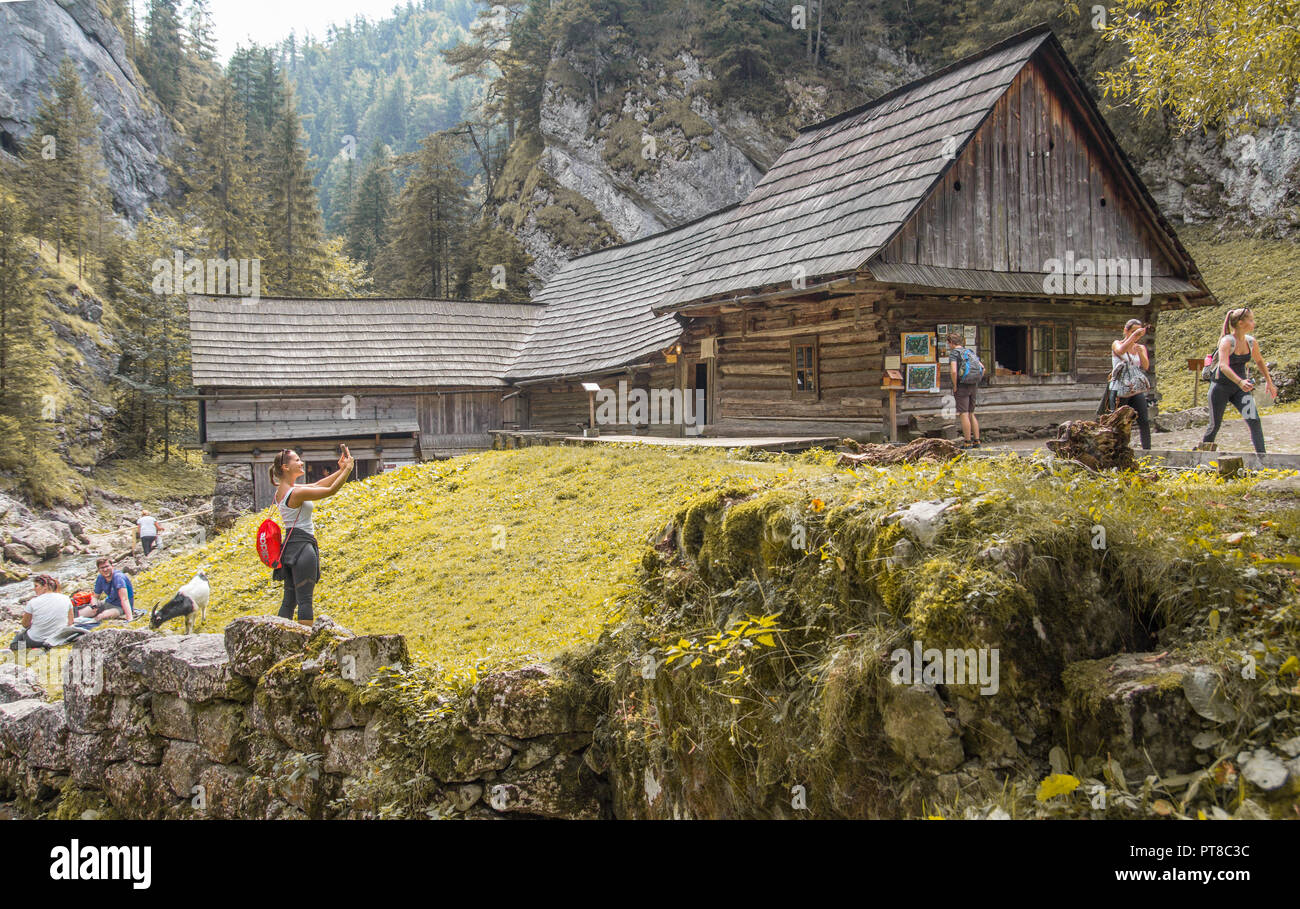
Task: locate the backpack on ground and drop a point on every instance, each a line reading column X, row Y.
column 970, row 371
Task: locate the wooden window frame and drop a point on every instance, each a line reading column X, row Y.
column 813, row 394
column 1068, row 349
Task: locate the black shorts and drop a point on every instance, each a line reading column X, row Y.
column 147, row 543
column 965, row 395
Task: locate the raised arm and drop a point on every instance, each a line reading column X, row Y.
column 321, row 490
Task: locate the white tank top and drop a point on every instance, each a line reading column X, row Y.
column 296, row 518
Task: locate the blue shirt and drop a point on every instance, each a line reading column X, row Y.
column 120, row 580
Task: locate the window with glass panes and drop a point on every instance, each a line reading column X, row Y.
column 1053, row 353
column 803, row 367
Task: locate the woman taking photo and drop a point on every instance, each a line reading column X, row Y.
column 1231, row 383
column 1128, row 369
column 300, row 555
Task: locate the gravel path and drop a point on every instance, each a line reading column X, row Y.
column 1281, row 435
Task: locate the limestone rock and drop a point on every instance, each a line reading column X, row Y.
column 192, row 666
column 464, row 756
column 345, row 751
column 89, row 755
column 232, row 793
column 532, row 701
column 138, row 791
column 219, row 725
column 255, row 643
column 130, row 719
column 562, row 787
column 173, row 718
column 918, row 730
column 44, row 539
column 339, row 701
column 35, row 731
column 294, row 720
column 181, row 765
column 19, row 683
column 361, row 657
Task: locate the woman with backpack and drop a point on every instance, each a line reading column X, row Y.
column 1128, row 376
column 966, row 371
column 300, row 554
column 1230, row 382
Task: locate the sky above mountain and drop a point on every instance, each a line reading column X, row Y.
column 270, row 21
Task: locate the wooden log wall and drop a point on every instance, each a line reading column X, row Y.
column 1031, row 185
column 753, row 391
column 565, row 407
column 329, row 410
column 1028, row 401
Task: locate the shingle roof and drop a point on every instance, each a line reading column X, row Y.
column 840, row 191
column 598, row 311
column 347, row 343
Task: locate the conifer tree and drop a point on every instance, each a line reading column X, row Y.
column 164, row 53
column 372, row 208
column 432, row 211
column 294, row 250
column 223, row 191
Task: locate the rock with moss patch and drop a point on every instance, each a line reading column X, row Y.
column 173, row 718
column 257, row 642
column 181, row 765
column 220, row 725
column 562, row 787
column 919, row 731
column 359, row 658
column 532, row 701
column 138, row 791
column 461, row 757
column 345, row 751
column 292, row 719
column 341, row 703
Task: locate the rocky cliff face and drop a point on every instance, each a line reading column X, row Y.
column 670, row 153
column 137, row 136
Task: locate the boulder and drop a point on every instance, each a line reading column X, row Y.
column 340, row 703
column 96, row 672
column 532, row 701
column 35, row 731
column 118, row 646
column 294, row 720
column 181, row 766
column 919, row 731
column 138, row 791
column 192, row 666
column 19, row 555
column 43, row 539
column 13, row 572
column 326, row 635
column 257, row 642
column 1181, row 419
column 562, row 787
column 19, row 683
column 359, row 658
column 220, row 726
column 173, row 718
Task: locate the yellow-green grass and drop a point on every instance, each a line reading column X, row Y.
column 481, row 559
column 1241, row 271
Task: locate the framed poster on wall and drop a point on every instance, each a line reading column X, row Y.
column 917, row 347
column 923, row 377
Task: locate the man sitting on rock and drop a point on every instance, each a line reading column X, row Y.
column 117, row 597
column 44, row 615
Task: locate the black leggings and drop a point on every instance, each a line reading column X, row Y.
column 1220, row 394
column 300, row 583
column 1139, row 403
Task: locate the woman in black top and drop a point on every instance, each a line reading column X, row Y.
column 1231, row 384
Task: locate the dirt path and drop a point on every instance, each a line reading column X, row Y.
column 1281, row 435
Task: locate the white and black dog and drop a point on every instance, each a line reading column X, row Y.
column 190, row 599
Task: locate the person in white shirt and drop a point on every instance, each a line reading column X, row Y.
column 147, row 529
column 44, row 615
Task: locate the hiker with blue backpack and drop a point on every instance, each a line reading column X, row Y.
column 966, row 372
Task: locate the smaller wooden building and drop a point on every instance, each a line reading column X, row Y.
column 396, row 380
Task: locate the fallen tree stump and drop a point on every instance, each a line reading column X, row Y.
column 883, row 455
column 1097, row 444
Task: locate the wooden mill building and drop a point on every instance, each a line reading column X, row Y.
column 982, row 199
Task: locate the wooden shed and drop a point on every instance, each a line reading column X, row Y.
column 397, row 380
column 985, row 198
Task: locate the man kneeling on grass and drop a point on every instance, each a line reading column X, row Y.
column 116, row 596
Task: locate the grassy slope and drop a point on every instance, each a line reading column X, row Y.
column 1241, row 271
column 150, row 481
column 412, row 551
